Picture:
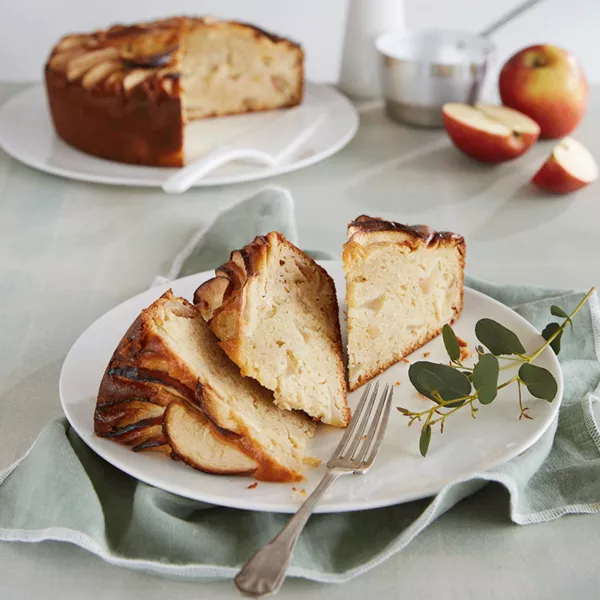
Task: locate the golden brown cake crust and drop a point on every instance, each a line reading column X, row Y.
column 143, row 378
column 417, row 233
column 365, row 230
column 133, row 131
column 140, row 382
column 126, row 106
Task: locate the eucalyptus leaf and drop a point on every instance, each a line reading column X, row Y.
column 557, row 311
column 451, row 343
column 424, row 440
column 449, row 383
column 539, row 381
column 497, row 338
column 485, row 378
column 431, row 382
column 548, row 332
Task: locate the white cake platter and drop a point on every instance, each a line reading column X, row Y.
column 27, row 134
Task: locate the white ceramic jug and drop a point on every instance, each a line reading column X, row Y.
column 367, row 19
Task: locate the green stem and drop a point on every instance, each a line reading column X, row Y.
column 469, row 401
column 520, row 398
column 429, row 417
column 442, row 403
column 511, row 366
column 503, row 385
column 561, row 328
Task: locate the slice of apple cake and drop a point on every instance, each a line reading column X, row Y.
column 403, row 284
column 276, row 313
column 170, row 386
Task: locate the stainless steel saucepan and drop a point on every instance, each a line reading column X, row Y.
column 423, row 70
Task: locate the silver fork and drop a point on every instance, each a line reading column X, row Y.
column 264, row 573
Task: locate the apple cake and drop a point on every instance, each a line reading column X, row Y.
column 169, row 386
column 275, row 312
column 125, row 93
column 403, row 284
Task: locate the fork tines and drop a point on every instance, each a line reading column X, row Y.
column 356, row 451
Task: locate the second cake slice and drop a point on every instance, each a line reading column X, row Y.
column 276, row 313
column 403, row 284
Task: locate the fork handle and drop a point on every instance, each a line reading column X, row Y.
column 264, row 573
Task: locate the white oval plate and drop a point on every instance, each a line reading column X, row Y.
column 27, row 134
column 399, row 474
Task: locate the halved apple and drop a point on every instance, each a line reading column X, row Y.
column 489, row 133
column 570, row 167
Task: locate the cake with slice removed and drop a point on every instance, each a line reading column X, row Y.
column 127, row 92
column 403, row 284
column 223, row 422
column 276, row 313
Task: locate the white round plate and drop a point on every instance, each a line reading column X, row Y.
column 27, row 134
column 399, row 474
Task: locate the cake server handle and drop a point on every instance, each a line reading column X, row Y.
column 184, row 178
column 271, row 145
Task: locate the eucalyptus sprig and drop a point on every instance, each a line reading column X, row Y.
column 455, row 387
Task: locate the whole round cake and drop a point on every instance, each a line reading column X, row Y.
column 126, row 93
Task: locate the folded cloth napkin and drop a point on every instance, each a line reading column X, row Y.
column 60, row 490
column 270, row 209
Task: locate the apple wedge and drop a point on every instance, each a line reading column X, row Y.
column 195, row 440
column 570, row 167
column 489, row 133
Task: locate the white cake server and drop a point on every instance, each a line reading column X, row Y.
column 270, row 145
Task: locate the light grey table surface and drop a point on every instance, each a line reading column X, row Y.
column 69, row 251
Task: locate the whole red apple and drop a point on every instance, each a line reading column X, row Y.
column 547, row 84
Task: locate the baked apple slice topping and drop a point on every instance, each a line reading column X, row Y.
column 152, row 61
column 81, row 64
column 149, row 51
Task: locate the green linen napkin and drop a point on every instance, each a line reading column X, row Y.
column 60, row 490
column 270, row 209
